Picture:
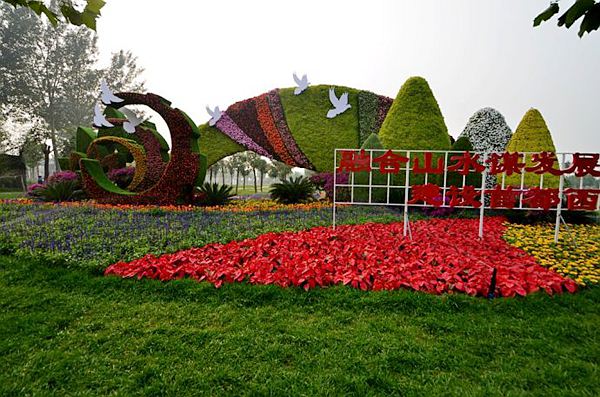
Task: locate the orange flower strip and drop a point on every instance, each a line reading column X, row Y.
column 268, row 125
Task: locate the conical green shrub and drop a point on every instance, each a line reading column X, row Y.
column 415, row 120
column 454, row 178
column 532, row 135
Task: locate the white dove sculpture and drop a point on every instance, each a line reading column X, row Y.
column 107, row 95
column 132, row 120
column 302, row 84
column 339, row 105
column 99, row 118
column 215, row 115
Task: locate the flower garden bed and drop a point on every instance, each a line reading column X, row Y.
column 445, row 255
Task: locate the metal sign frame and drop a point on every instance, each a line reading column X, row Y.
column 562, row 158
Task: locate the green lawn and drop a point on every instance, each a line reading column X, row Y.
column 64, row 331
column 11, row 195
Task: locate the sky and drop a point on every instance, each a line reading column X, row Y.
column 473, row 53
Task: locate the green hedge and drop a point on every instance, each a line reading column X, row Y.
column 454, row 178
column 532, row 135
column 368, row 107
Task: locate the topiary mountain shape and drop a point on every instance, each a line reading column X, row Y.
column 487, row 131
column 532, row 135
column 415, row 121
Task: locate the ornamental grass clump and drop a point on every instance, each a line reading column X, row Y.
column 215, row 194
column 293, row 190
column 61, row 186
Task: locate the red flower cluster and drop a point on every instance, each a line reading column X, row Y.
column 267, row 123
column 445, row 255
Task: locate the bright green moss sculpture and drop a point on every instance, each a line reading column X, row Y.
column 532, row 135
column 415, row 120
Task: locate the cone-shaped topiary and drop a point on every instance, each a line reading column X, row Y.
column 532, row 135
column 378, row 194
column 415, row 120
column 487, row 131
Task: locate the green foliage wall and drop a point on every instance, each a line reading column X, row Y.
column 216, row 145
column 532, row 135
column 415, row 120
column 316, row 135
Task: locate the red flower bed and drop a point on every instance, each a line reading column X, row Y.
column 444, row 256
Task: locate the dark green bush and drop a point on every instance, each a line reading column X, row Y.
column 59, row 191
column 293, row 190
column 215, row 194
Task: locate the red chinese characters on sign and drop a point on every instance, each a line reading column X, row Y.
column 582, row 199
column 465, row 163
column 465, row 196
column 584, row 164
column 352, row 161
column 508, row 163
column 542, row 198
column 390, row 163
column 428, row 194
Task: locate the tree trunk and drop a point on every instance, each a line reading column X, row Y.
column 46, row 150
column 223, row 175
column 254, row 173
column 244, row 181
column 262, row 175
column 237, row 181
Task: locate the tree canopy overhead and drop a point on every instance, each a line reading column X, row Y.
column 67, row 8
column 589, row 10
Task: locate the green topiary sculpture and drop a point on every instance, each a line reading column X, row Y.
column 415, row 120
column 532, row 135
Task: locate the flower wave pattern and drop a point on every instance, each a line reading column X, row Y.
column 445, row 256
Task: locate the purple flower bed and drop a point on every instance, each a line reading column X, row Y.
column 227, row 126
column 62, row 176
column 324, row 181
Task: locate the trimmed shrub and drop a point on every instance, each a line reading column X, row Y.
column 415, row 121
column 293, row 190
column 487, row 131
column 532, row 135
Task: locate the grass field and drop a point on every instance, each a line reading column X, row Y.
column 69, row 332
column 11, row 195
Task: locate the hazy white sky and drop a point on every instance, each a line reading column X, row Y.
column 474, row 53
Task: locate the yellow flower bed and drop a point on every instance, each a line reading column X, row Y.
column 577, row 254
column 266, row 205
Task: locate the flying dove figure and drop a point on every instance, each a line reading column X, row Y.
column 302, row 84
column 99, row 118
column 106, row 94
column 132, row 120
column 215, row 115
column 339, row 105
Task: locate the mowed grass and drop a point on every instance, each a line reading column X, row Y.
column 64, row 331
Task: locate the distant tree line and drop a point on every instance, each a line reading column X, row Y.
column 241, row 165
column 49, row 82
